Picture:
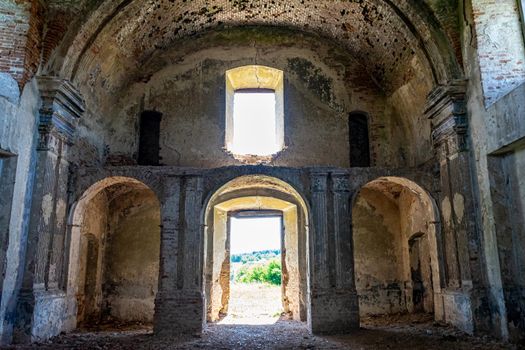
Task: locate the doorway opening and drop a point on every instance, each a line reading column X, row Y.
column 255, row 267
column 256, row 253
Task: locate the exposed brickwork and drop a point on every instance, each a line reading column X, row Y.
column 20, row 30
column 500, row 46
column 370, row 30
column 56, row 26
column 446, row 12
column 33, row 42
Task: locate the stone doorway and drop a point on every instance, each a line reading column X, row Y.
column 257, row 255
column 249, row 195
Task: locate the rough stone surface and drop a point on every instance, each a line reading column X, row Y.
column 434, row 226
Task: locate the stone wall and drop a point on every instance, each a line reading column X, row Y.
column 18, row 125
column 495, row 112
column 132, row 258
column 378, row 255
column 321, row 89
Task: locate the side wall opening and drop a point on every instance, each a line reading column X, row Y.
column 114, row 255
column 396, row 249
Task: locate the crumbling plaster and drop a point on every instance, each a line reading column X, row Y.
column 322, row 86
column 18, row 136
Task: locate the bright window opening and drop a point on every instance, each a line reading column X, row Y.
column 254, row 124
column 255, row 270
column 254, row 113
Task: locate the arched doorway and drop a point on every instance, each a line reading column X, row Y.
column 396, row 249
column 114, row 255
column 256, row 193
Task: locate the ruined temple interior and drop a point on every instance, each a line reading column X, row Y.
column 388, row 136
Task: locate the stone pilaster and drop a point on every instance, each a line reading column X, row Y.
column 179, row 308
column 334, row 303
column 193, row 235
column 40, row 294
column 319, row 241
column 344, row 257
column 61, row 108
column 446, row 108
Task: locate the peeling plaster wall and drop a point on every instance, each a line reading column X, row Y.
column 500, row 47
column 408, row 104
column 322, row 87
column 414, row 223
column 395, row 256
column 18, row 123
column 507, row 174
column 378, row 254
column 91, row 259
column 493, row 130
column 132, row 257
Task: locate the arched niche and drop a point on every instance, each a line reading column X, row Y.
column 113, row 254
column 398, row 268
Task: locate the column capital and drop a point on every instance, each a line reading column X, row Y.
column 340, row 181
column 318, row 181
column 62, row 106
column 446, row 109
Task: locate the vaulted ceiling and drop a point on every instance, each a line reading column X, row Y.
column 383, row 35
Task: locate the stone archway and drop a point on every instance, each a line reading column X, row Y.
column 114, row 254
column 396, row 249
column 256, row 192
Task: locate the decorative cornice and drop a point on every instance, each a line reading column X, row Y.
column 445, row 96
column 62, row 106
column 446, row 108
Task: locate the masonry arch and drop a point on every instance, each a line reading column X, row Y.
column 256, row 193
column 397, row 249
column 113, row 254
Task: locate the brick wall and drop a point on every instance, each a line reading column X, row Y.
column 56, row 26
column 500, row 47
column 20, row 32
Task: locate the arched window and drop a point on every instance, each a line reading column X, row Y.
column 359, row 142
column 254, row 111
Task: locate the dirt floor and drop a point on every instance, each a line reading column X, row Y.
column 253, row 323
column 253, row 304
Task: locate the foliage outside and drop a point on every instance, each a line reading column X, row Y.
column 257, row 267
column 255, row 256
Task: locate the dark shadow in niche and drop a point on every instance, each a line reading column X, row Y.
column 359, row 141
column 149, row 144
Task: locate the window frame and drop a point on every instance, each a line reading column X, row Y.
column 254, row 77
